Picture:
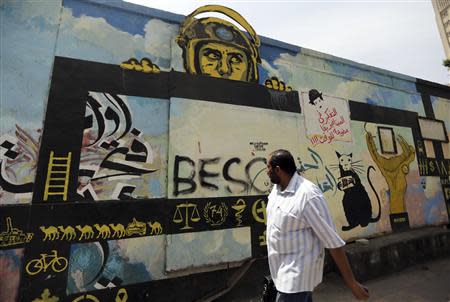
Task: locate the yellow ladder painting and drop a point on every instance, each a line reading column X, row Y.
column 58, row 171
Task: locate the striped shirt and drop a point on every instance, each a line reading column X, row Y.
column 299, row 226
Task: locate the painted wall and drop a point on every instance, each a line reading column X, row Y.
column 134, row 145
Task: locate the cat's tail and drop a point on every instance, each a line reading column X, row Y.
column 374, row 219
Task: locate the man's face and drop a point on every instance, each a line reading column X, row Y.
column 223, row 61
column 318, row 102
column 272, row 172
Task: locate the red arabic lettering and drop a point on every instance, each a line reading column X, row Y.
column 330, row 125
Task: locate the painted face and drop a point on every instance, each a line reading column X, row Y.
column 274, row 178
column 223, row 61
column 346, row 162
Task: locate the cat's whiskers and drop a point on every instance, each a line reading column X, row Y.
column 358, row 166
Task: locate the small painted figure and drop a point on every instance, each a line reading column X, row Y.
column 356, row 201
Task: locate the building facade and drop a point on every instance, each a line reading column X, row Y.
column 442, row 13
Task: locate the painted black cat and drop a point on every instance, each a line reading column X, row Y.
column 356, row 201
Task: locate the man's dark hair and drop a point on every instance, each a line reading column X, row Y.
column 283, row 159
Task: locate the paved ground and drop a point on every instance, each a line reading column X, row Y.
column 428, row 282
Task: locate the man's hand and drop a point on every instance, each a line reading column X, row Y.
column 340, row 258
column 359, row 291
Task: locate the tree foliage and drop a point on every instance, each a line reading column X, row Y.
column 446, row 63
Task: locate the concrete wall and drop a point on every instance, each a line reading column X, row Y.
column 133, row 149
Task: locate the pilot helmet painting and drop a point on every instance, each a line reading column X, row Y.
column 215, row 47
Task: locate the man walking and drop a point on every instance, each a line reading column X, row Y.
column 299, row 226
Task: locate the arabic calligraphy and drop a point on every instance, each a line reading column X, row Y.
column 330, row 126
column 328, row 121
column 327, row 182
column 112, row 149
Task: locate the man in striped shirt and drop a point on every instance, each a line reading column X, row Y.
column 299, row 226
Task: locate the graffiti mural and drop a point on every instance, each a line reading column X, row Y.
column 145, row 65
column 123, row 152
column 126, row 261
column 394, row 170
column 314, row 162
column 328, row 118
column 46, row 296
column 133, row 148
column 18, row 159
column 24, row 93
column 13, row 236
column 218, row 48
column 46, row 262
column 217, row 168
column 205, row 166
column 10, row 266
column 356, row 201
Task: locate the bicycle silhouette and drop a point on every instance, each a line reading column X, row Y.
column 57, row 264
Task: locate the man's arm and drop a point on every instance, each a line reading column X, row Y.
column 341, row 260
column 323, row 227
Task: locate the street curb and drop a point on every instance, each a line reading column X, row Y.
column 392, row 253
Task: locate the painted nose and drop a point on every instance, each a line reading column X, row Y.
column 224, row 67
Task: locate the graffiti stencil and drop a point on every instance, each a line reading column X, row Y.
column 46, row 297
column 58, row 172
column 356, row 202
column 190, row 214
column 47, row 261
column 394, row 170
column 215, row 47
column 215, row 214
column 239, row 207
column 13, row 236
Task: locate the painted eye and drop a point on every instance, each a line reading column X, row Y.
column 235, row 59
column 213, row 56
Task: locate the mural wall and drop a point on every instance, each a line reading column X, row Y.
column 133, row 147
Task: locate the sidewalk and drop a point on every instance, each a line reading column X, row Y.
column 426, row 282
column 411, row 266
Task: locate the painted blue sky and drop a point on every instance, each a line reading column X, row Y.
column 400, row 36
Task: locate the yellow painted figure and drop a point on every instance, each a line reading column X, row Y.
column 215, row 47
column 46, row 296
column 394, row 170
column 222, row 61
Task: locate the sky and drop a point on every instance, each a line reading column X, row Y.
column 400, row 36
